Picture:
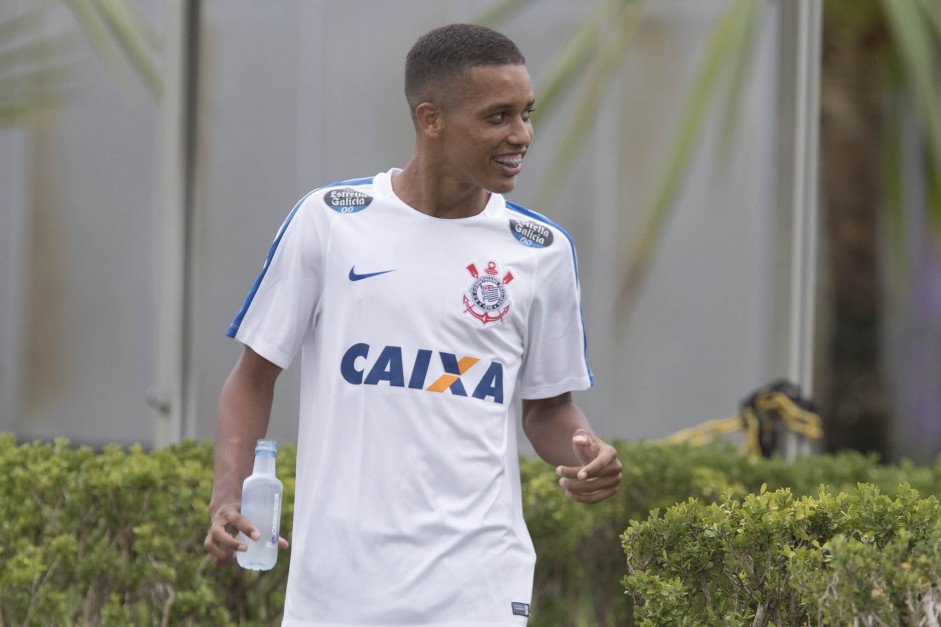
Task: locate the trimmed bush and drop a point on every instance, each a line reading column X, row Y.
column 114, row 537
column 856, row 558
column 576, row 560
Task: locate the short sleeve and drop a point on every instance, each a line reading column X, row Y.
column 554, row 360
column 279, row 308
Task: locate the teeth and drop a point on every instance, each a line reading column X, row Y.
column 512, row 163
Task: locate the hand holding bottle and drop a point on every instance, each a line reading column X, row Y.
column 261, row 505
column 250, row 530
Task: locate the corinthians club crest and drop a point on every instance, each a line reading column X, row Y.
column 486, row 298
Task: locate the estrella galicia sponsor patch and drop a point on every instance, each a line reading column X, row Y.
column 530, row 233
column 347, row 200
column 520, row 609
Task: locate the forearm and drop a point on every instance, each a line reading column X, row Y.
column 244, row 411
column 549, row 424
column 588, row 468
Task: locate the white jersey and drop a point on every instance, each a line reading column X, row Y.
column 417, row 334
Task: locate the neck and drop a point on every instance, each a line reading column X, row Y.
column 422, row 187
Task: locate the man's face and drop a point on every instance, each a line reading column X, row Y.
column 486, row 127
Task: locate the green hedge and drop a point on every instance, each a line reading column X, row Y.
column 115, row 537
column 579, row 570
column 856, row 558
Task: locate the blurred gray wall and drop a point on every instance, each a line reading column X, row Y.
column 294, row 95
column 76, row 232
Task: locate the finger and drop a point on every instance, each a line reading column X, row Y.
column 591, row 452
column 592, row 497
column 282, row 543
column 585, row 446
column 229, row 518
column 222, row 549
column 223, row 539
column 598, row 468
column 606, row 462
column 590, row 485
column 237, row 523
column 570, row 472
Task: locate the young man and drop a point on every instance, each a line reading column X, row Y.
column 423, row 305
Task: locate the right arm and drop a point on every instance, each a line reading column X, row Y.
column 244, row 411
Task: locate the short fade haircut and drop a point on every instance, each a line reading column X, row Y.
column 442, row 55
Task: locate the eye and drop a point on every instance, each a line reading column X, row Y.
column 502, row 117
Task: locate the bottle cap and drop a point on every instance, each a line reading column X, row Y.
column 268, row 447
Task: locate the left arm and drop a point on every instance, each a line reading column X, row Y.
column 588, row 467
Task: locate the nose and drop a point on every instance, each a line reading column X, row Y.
column 521, row 132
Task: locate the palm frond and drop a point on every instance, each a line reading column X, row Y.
column 566, row 67
column 740, row 65
column 33, row 53
column 501, row 11
column 17, row 25
column 136, row 37
column 724, row 45
column 933, row 193
column 591, row 57
column 896, row 198
column 603, row 64
column 916, row 36
column 932, row 10
column 33, row 67
column 116, row 29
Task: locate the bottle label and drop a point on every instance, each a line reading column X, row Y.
column 275, row 521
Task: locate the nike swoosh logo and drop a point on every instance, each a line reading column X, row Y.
column 360, row 277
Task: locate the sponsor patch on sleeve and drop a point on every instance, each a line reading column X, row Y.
column 347, row 200
column 531, row 233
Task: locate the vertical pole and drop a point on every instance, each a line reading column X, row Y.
column 14, row 229
column 797, row 206
column 169, row 392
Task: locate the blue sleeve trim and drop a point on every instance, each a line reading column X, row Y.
column 529, row 213
column 237, row 322
column 541, row 218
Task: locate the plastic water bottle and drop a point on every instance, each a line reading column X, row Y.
column 261, row 504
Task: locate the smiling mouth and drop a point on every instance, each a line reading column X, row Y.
column 510, row 162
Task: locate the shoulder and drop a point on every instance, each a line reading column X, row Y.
column 342, row 197
column 320, row 207
column 535, row 230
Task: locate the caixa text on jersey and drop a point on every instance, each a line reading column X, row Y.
column 362, row 365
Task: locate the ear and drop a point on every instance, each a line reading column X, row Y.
column 428, row 117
